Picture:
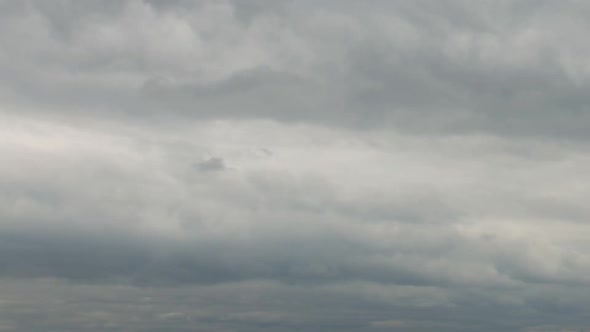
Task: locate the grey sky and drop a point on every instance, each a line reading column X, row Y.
column 294, row 165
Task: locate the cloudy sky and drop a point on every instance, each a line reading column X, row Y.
column 294, row 165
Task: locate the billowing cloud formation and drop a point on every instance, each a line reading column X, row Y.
column 292, row 166
column 494, row 66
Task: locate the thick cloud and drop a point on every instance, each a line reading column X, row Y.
column 495, row 66
column 282, row 165
column 457, row 221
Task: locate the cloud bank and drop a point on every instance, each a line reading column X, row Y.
column 283, row 166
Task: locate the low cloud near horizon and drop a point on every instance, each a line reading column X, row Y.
column 294, row 165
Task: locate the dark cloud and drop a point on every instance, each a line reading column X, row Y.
column 212, row 164
column 496, row 67
column 293, row 165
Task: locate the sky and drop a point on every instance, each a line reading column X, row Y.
column 283, row 165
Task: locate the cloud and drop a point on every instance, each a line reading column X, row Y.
column 309, row 165
column 496, row 67
column 377, row 217
column 211, row 164
column 110, row 206
column 388, row 323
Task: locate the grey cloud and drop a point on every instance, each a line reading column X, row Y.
column 497, row 67
column 293, row 165
column 154, row 219
column 214, row 308
column 212, row 164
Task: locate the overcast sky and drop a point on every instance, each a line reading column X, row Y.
column 294, row 165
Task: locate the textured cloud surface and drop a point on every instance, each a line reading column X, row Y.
column 294, row 166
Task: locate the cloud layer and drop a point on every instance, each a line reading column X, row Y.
column 293, row 166
column 495, row 66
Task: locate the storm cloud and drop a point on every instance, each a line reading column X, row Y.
column 294, row 165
